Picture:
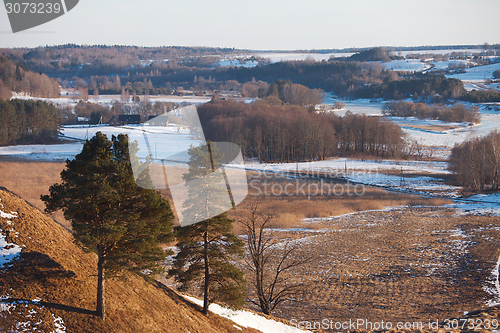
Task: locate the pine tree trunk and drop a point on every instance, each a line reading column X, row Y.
column 100, row 282
column 207, row 273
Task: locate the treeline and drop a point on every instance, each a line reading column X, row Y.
column 374, row 54
column 28, row 122
column 276, row 132
column 96, row 112
column 16, row 77
column 476, row 162
column 143, row 70
column 353, row 79
column 455, row 113
column 63, row 60
column 422, row 85
column 481, row 96
column 166, row 70
column 340, row 77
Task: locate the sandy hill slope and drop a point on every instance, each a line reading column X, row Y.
column 49, row 285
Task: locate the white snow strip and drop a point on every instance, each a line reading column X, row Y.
column 59, row 324
column 6, row 307
column 7, row 215
column 248, row 319
column 481, row 204
column 496, row 281
column 8, row 251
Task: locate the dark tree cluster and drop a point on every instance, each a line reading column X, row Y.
column 416, row 86
column 28, row 122
column 16, row 77
column 296, row 94
column 481, row 96
column 272, row 131
column 455, row 113
column 94, row 112
column 476, row 162
column 374, row 54
column 343, row 78
column 361, row 135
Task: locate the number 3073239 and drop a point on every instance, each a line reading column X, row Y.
column 33, row 8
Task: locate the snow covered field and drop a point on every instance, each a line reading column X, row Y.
column 416, row 177
column 405, row 65
column 277, row 57
column 490, row 120
column 446, row 138
column 357, row 106
column 163, row 142
column 476, row 74
column 435, row 137
column 110, row 99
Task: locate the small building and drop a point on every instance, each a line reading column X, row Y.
column 114, row 121
column 129, row 119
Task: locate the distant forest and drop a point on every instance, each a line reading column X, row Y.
column 28, row 122
column 274, row 132
column 17, row 77
column 167, row 70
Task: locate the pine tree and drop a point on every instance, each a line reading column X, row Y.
column 110, row 215
column 207, row 247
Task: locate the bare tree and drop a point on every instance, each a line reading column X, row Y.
column 495, row 144
column 270, row 261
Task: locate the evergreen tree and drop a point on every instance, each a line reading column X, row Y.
column 207, row 248
column 110, row 215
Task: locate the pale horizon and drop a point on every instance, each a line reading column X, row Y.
column 266, row 25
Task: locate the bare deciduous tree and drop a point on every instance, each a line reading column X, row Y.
column 476, row 162
column 270, row 262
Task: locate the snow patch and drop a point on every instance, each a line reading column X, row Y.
column 496, row 282
column 248, row 319
column 480, row 204
column 7, row 215
column 28, row 326
column 59, row 324
column 8, row 251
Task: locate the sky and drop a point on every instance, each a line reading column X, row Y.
column 266, row 24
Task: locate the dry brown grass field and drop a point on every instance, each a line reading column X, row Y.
column 410, row 264
column 418, row 262
column 30, row 180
